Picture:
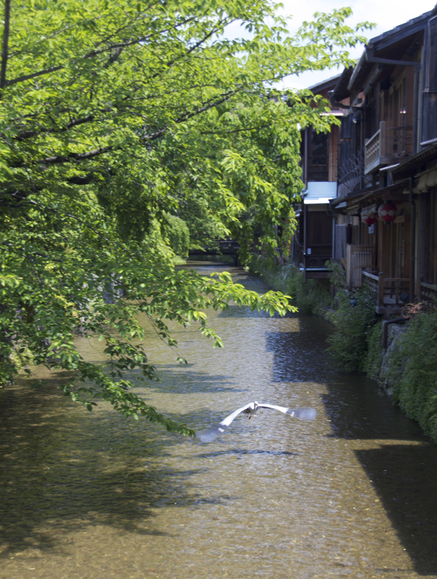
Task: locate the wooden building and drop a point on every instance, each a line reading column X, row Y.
column 385, row 227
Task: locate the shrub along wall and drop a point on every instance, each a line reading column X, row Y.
column 409, row 371
column 353, row 316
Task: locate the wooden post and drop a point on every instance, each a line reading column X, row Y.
column 380, row 294
column 382, row 141
column 349, row 265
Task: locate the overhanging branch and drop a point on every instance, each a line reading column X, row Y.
column 74, row 156
column 5, row 46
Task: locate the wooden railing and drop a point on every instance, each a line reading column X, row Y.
column 428, row 292
column 398, row 142
column 387, row 145
column 372, row 149
column 370, row 281
column 316, row 257
column 391, row 292
column 359, row 258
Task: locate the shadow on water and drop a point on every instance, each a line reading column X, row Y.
column 234, row 311
column 404, row 472
column 243, row 451
column 298, row 356
column 405, row 479
column 189, row 381
column 359, row 411
column 64, row 470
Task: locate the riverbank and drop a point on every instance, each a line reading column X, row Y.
column 405, row 367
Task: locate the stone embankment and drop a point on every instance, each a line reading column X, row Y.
column 386, row 375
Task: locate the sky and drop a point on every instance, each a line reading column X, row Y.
column 386, row 14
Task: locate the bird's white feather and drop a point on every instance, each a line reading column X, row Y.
column 273, row 407
column 210, row 434
column 227, row 421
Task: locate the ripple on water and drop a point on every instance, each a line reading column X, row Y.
column 352, row 494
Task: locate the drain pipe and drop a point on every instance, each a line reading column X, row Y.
column 305, row 211
column 304, row 208
column 412, row 241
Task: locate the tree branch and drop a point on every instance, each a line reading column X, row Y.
column 207, row 106
column 33, row 75
column 5, row 45
column 226, row 132
column 121, row 45
column 74, row 156
column 29, row 134
column 91, row 54
column 58, row 159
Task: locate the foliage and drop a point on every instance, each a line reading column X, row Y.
column 178, row 235
column 337, row 275
column 310, row 297
column 115, row 116
column 204, row 227
column 353, row 317
column 374, row 357
column 413, row 363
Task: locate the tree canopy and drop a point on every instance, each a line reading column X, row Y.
column 117, row 118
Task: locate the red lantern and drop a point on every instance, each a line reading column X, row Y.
column 369, row 215
column 387, row 212
column 370, row 219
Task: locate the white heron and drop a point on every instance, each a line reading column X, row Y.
column 213, row 432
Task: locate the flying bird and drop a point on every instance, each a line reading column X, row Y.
column 210, row 434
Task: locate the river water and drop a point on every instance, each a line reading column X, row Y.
column 91, row 495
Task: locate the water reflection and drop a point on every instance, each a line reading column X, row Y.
column 308, row 360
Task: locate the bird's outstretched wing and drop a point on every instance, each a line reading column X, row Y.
column 227, row 421
column 210, row 434
column 301, row 413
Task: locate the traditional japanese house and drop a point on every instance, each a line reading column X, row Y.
column 385, row 209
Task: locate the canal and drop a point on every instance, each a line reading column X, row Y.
column 93, row 496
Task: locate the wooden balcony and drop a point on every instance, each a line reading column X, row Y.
column 387, row 146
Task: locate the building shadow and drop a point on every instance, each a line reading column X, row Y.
column 405, row 479
column 401, row 466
